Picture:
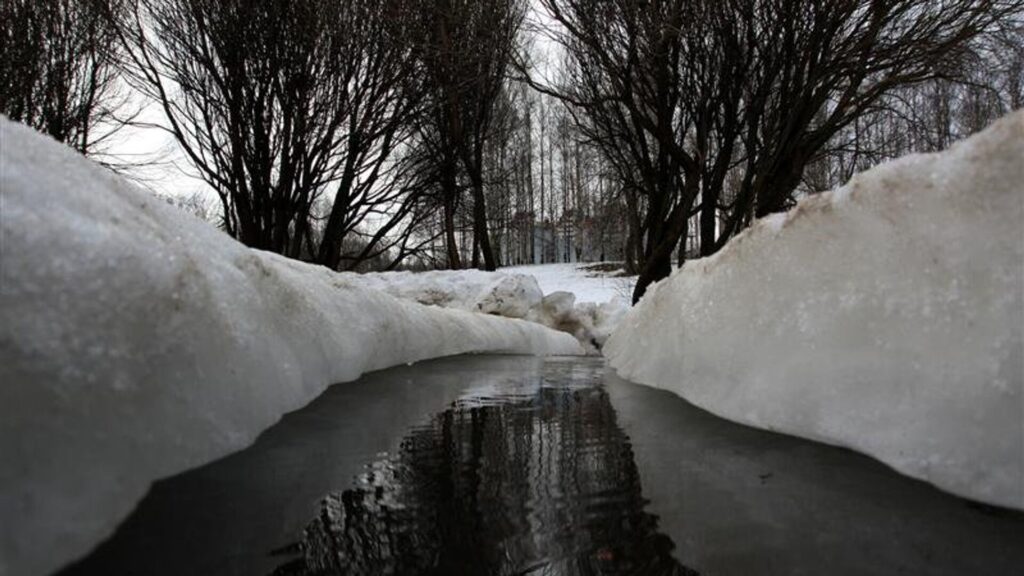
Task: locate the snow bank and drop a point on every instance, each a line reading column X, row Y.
column 510, row 294
column 137, row 341
column 885, row 316
column 500, row 294
column 590, row 323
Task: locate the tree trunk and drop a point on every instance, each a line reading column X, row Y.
column 629, row 250
column 454, row 261
column 334, row 231
column 481, row 236
column 663, row 235
column 778, row 188
column 658, row 266
column 707, row 223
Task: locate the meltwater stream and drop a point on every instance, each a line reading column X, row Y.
column 517, row 465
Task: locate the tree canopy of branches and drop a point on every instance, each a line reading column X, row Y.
column 280, row 103
column 57, row 69
column 464, row 49
column 683, row 97
column 355, row 133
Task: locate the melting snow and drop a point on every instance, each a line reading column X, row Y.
column 137, row 341
column 885, row 317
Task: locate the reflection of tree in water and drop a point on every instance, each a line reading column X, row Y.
column 544, row 484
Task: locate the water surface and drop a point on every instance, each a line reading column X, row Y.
column 516, row 465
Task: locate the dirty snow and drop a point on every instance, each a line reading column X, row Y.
column 137, row 341
column 497, row 293
column 885, row 317
column 566, row 297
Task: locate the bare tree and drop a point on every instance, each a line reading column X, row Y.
column 819, row 68
column 465, row 48
column 969, row 94
column 688, row 98
column 57, row 69
column 635, row 86
column 278, row 104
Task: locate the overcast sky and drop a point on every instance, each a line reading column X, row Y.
column 166, row 170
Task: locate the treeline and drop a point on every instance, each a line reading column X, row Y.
column 329, row 130
column 716, row 110
column 418, row 133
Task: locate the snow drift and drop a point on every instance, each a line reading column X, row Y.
column 137, row 341
column 497, row 293
column 885, row 316
column 512, row 295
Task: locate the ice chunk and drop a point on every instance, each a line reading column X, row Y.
column 512, row 296
column 558, row 306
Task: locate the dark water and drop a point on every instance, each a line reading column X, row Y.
column 540, row 481
column 510, row 465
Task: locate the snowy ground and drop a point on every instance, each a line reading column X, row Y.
column 885, row 316
column 584, row 280
column 575, row 298
column 137, row 341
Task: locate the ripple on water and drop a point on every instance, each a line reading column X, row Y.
column 530, row 482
